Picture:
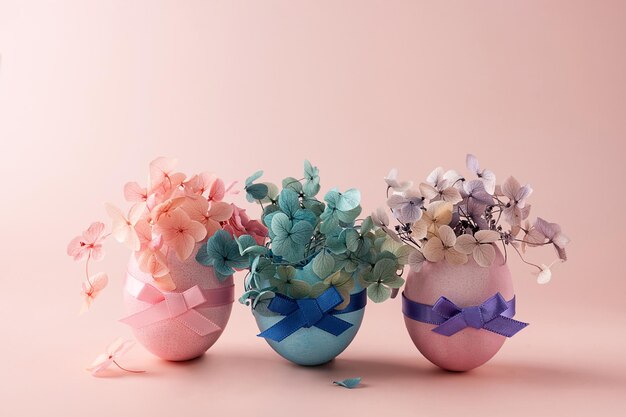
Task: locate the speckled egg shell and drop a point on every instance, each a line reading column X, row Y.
column 169, row 339
column 465, row 285
column 311, row 346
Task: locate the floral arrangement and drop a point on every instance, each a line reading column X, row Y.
column 168, row 217
column 304, row 232
column 452, row 218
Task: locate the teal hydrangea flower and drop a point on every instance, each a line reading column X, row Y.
column 290, row 237
column 222, row 253
column 341, row 209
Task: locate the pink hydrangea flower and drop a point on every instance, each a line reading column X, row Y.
column 180, row 233
column 88, row 244
column 91, row 288
column 111, row 356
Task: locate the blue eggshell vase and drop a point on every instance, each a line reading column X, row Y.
column 311, row 346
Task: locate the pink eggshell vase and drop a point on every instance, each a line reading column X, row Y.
column 170, row 339
column 465, row 285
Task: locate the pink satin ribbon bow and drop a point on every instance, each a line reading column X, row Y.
column 180, row 306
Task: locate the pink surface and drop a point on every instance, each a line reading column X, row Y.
column 465, row 285
column 91, row 92
column 170, row 339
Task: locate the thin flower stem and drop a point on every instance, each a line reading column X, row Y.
column 467, row 217
column 501, row 203
column 498, row 219
column 127, row 370
column 407, row 238
column 87, row 264
column 87, row 271
column 414, row 242
column 525, row 261
column 532, row 243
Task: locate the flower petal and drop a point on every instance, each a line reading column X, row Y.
column 546, row 228
column 454, row 257
column 132, row 240
column 135, row 213
column 416, row 260
column 119, row 221
column 220, row 211
column 510, row 187
column 184, row 244
column 76, row 250
column 433, row 250
column 160, row 169
column 447, row 236
column 545, row 275
column 135, row 193
column 94, row 232
column 465, row 244
column 410, row 213
column 301, row 232
column 99, row 281
column 472, row 163
column 101, row 363
column 380, row 217
column 428, row 191
column 396, row 201
column 196, row 230
column 442, row 212
column 522, row 194
column 97, row 253
column 196, row 208
column 451, row 195
column 435, row 177
column 392, row 181
column 484, row 254
column 281, row 225
column 217, row 190
column 489, row 181
column 560, row 240
column 419, row 229
column 487, row 236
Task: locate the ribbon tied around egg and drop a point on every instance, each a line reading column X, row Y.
column 180, row 306
column 494, row 315
column 308, row 312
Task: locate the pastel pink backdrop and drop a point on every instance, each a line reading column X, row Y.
column 91, row 91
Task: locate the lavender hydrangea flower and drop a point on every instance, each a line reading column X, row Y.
column 488, row 178
column 451, row 217
column 392, row 181
column 407, row 207
column 552, row 232
column 380, row 219
column 474, row 191
column 515, row 211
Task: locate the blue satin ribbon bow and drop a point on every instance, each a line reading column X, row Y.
column 307, row 312
column 493, row 315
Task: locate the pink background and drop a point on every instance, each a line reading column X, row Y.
column 91, row 91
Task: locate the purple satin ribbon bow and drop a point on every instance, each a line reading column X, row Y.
column 493, row 315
